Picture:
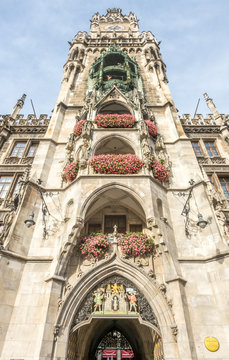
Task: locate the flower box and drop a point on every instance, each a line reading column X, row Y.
column 78, row 128
column 160, row 172
column 116, row 164
column 115, row 120
column 94, row 245
column 151, row 127
column 136, row 244
column 71, row 171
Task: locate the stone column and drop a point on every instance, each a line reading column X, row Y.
column 99, row 356
column 119, row 354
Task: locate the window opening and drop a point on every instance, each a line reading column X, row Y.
column 111, row 220
column 94, row 228
column 18, row 149
column 32, row 150
column 211, row 148
column 224, row 182
column 197, row 148
column 5, row 182
column 135, row 227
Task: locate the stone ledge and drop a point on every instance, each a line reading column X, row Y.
column 35, row 259
column 205, row 259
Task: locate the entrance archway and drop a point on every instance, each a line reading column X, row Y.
column 115, row 321
column 82, row 322
column 114, row 345
column 115, row 338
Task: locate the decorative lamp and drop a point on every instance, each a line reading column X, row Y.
column 30, row 222
column 201, row 222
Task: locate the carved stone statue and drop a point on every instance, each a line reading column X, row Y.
column 159, row 143
column 143, row 129
column 163, row 156
column 70, row 148
column 146, row 152
column 86, row 131
column 84, row 150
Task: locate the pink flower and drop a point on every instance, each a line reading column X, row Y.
column 116, row 164
column 78, row 127
column 160, row 172
column 115, row 120
column 71, row 171
column 134, row 244
column 94, row 245
column 151, row 127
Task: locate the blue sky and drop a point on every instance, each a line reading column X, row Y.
column 34, row 47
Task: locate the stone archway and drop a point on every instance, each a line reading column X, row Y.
column 114, row 144
column 138, row 325
column 76, row 313
column 142, row 341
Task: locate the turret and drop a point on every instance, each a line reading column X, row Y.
column 18, row 106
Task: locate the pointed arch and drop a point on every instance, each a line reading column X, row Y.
column 98, row 192
column 116, row 266
column 111, row 137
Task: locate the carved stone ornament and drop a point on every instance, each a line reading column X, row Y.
column 115, row 295
column 69, row 245
column 56, row 331
column 174, row 330
column 114, row 15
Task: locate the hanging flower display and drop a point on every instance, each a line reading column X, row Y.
column 78, row 128
column 116, row 164
column 115, row 120
column 160, row 172
column 151, row 127
column 94, row 245
column 136, row 244
column 71, row 171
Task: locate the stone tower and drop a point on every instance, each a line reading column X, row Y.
column 114, row 213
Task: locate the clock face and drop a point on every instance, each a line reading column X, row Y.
column 114, row 27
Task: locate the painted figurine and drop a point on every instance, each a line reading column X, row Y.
column 98, row 300
column 132, row 301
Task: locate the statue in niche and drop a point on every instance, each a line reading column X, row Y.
column 69, row 148
column 143, row 130
column 161, row 151
column 131, row 295
column 86, row 132
column 159, row 143
column 163, row 157
column 115, row 303
column 151, row 116
column 98, row 299
column 146, row 152
column 84, row 149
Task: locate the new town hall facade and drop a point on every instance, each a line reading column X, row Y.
column 114, row 213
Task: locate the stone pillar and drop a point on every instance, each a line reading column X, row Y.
column 119, row 354
column 213, row 109
column 18, row 106
column 99, row 356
